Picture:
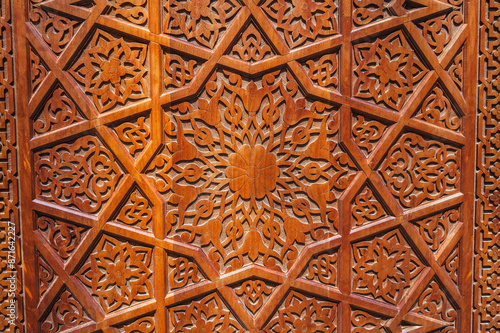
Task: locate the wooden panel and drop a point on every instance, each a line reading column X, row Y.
column 234, row 166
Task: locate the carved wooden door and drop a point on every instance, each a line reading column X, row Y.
column 246, row 165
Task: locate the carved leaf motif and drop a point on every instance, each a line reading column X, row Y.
column 254, row 293
column 436, row 229
column 135, row 135
column 384, row 267
column 369, row 11
column 63, row 237
column 182, row 271
column 366, row 208
column 300, row 313
column 387, row 71
column 136, row 212
column 303, row 21
column 324, row 71
column 118, row 273
column 238, row 156
column 66, row 313
column 435, row 304
column 251, row 46
column 112, row 70
column 418, row 170
column 57, row 31
column 367, row 133
column 58, row 112
column 438, row 110
column 82, row 174
column 180, row 71
column 206, row 315
column 323, row 269
column 200, row 20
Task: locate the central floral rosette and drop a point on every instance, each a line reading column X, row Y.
column 252, row 171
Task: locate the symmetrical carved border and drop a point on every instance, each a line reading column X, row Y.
column 487, row 210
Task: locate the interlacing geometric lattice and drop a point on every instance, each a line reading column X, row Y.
column 248, row 166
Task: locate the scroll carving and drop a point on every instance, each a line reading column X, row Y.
column 136, row 212
column 324, row 71
column 436, row 229
column 82, row 174
column 63, row 237
column 429, row 170
column 388, row 70
column 273, row 152
column 59, row 111
column 45, row 275
column 384, row 267
column 66, row 313
column 438, row 110
column 38, row 71
column 367, row 133
column 135, row 135
column 439, row 31
column 57, row 31
column 303, row 21
column 300, row 313
column 203, row 21
column 182, row 271
column 323, row 269
column 206, row 315
column 434, row 303
column 253, row 293
column 179, row 70
column 366, row 208
column 112, row 70
column 118, row 273
column 251, row 46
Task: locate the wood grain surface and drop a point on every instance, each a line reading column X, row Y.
column 251, row 165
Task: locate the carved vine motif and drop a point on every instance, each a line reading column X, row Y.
column 368, row 11
column 181, row 272
column 131, row 10
column 387, row 70
column 58, row 112
column 135, row 135
column 38, row 71
column 136, row 212
column 45, row 275
column 251, row 46
column 364, row 322
column 451, row 265
column 253, row 292
column 179, row 70
column 207, row 315
column 66, row 313
column 252, row 154
column 435, row 229
column 82, row 174
column 63, row 237
column 200, row 20
column 118, row 273
column 456, row 69
column 367, row 133
column 112, row 70
column 300, row 313
column 439, row 31
column 141, row 325
column 434, row 303
column 57, row 31
column 417, row 169
column 366, row 208
column 323, row 269
column 438, row 110
column 384, row 267
column 324, row 71
column 301, row 21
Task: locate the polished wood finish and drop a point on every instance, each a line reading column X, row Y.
column 246, row 166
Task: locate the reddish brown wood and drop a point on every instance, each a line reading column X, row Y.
column 234, row 166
